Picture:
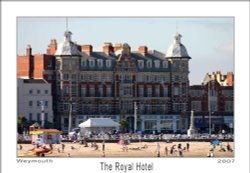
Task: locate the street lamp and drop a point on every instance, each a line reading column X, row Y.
column 209, row 111
column 135, row 116
column 70, row 116
column 42, row 113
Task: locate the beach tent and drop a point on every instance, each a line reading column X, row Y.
column 98, row 125
column 99, row 122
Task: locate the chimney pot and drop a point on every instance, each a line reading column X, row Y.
column 143, row 50
column 87, row 49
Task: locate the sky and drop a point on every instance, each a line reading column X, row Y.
column 209, row 41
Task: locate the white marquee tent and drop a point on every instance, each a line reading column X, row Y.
column 99, row 123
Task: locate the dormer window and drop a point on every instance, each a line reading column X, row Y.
column 141, row 63
column 100, row 63
column 108, row 63
column 149, row 64
column 84, row 63
column 157, row 63
column 165, row 64
column 92, row 63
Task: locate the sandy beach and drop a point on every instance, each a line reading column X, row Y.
column 197, row 149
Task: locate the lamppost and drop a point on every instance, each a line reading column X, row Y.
column 70, row 116
column 135, row 116
column 209, row 111
column 70, row 108
column 42, row 113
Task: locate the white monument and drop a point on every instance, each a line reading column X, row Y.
column 191, row 131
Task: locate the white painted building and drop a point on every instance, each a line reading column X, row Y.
column 30, row 94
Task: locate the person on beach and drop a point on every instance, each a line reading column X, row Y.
column 103, row 149
column 166, row 151
column 63, row 146
column 172, row 150
column 187, row 146
column 229, row 148
column 158, row 147
column 51, row 146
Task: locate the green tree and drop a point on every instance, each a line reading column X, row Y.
column 21, row 120
column 123, row 124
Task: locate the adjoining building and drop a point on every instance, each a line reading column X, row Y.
column 214, row 98
column 30, row 94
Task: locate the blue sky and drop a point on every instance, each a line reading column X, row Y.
column 209, row 41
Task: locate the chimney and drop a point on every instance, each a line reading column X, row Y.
column 52, row 47
column 230, row 78
column 87, row 49
column 28, row 50
column 118, row 46
column 143, row 50
column 107, row 48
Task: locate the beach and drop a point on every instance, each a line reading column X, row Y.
column 137, row 149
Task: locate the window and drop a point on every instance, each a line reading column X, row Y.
column 99, row 63
column 65, row 62
column 58, row 64
column 108, row 63
column 38, row 91
column 176, row 78
column 73, row 76
column 227, row 93
column 157, row 91
column 46, row 116
column 92, row 63
column 141, row 63
column 165, row 91
column 196, row 105
column 83, row 90
column 183, row 89
column 176, row 107
column 157, row 63
column 38, row 103
column 165, row 64
column 66, row 76
column 196, row 93
column 66, row 122
column 46, row 103
column 66, row 89
column 141, row 91
column 46, row 92
column 30, row 117
column 149, row 91
column 213, row 105
column 84, row 63
column 30, row 103
column 65, row 106
column 176, row 90
column 150, row 125
column 30, row 91
column 127, row 90
column 73, row 89
column 149, row 64
column 38, row 117
column 166, row 124
column 74, row 107
column 229, row 106
column 100, row 91
column 108, row 91
column 92, row 90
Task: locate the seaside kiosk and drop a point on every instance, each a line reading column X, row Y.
column 45, row 136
